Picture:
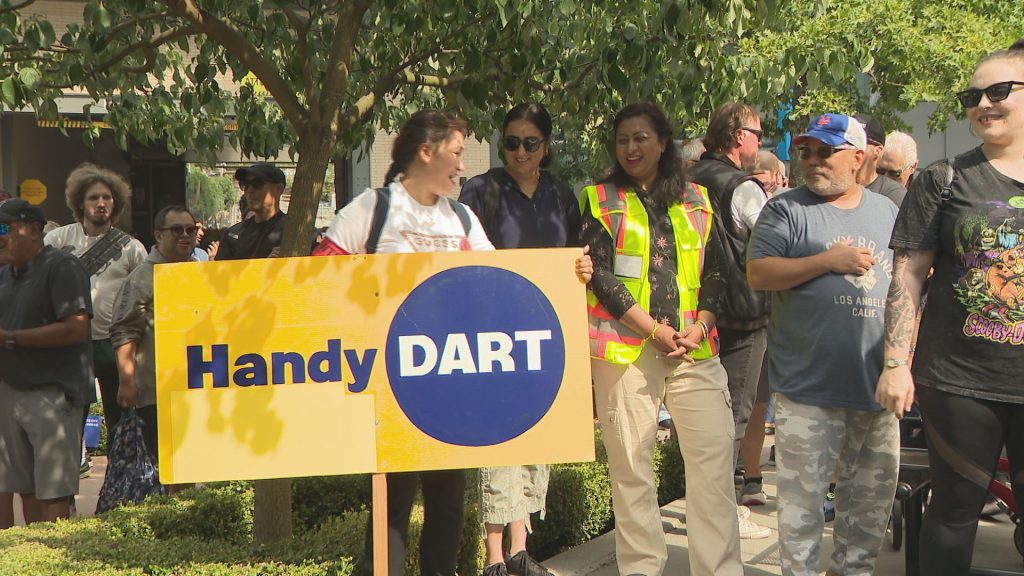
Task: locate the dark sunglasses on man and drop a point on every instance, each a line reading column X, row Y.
column 179, row 230
column 532, row 144
column 822, row 152
column 996, row 93
column 757, row 133
column 894, row 174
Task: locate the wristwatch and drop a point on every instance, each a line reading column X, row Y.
column 894, row 363
column 10, row 339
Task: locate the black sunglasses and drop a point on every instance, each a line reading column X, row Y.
column 894, row 174
column 996, row 93
column 179, row 230
column 532, row 144
column 754, row 131
column 823, row 152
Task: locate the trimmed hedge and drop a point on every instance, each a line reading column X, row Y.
column 208, row 532
column 197, row 533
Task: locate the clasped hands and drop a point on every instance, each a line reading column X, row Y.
column 676, row 344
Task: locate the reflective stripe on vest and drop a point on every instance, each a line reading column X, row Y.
column 625, row 219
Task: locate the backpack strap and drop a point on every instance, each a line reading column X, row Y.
column 380, row 215
column 462, row 213
column 102, row 252
column 947, row 191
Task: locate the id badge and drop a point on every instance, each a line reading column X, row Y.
column 628, row 266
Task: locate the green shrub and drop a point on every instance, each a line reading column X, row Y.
column 317, row 499
column 221, row 513
column 670, row 475
column 579, row 507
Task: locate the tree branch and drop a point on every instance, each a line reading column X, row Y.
column 301, row 33
column 570, row 85
column 137, row 20
column 16, row 7
column 250, row 56
column 339, row 61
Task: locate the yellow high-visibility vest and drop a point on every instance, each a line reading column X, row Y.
column 624, row 219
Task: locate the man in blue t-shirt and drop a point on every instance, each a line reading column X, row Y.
column 822, row 251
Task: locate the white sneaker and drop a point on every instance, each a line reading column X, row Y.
column 742, row 513
column 751, row 531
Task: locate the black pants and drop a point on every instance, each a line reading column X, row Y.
column 965, row 439
column 443, row 501
column 104, row 364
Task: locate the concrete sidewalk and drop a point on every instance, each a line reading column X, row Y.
column 994, row 547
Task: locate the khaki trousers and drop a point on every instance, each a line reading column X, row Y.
column 697, row 397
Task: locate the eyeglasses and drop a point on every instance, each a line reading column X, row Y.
column 754, row 131
column 179, row 230
column 822, row 152
column 996, row 93
column 254, row 184
column 4, row 229
column 894, row 174
column 532, row 144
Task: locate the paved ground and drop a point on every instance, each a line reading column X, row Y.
column 994, row 548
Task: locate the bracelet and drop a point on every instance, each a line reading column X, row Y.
column 653, row 332
column 704, row 329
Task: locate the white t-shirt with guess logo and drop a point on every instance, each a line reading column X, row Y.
column 409, row 226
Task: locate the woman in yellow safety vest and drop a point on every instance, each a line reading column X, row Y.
column 652, row 302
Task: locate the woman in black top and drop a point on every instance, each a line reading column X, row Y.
column 968, row 371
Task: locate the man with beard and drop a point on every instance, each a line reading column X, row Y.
column 131, row 331
column 822, row 250
column 98, row 197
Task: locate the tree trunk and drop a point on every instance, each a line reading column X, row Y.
column 272, row 510
column 315, row 146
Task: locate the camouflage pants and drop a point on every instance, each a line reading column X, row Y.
column 809, row 441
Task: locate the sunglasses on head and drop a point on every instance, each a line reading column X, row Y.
column 179, row 230
column 532, row 144
column 996, row 93
column 822, row 152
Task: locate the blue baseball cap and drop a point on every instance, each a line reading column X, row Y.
column 835, row 130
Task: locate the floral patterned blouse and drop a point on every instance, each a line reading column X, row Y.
column 661, row 272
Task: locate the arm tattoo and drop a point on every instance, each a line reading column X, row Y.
column 900, row 305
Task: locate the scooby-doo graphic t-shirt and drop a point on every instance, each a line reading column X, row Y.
column 825, row 335
column 972, row 330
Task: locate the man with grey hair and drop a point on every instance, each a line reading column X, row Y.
column 899, row 159
column 822, row 251
column 691, row 150
column 867, row 176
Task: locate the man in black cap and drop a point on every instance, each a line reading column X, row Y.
column 259, row 236
column 867, row 176
column 45, row 366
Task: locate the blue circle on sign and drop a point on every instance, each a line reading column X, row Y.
column 475, row 356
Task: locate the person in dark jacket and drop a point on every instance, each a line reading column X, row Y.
column 733, row 139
